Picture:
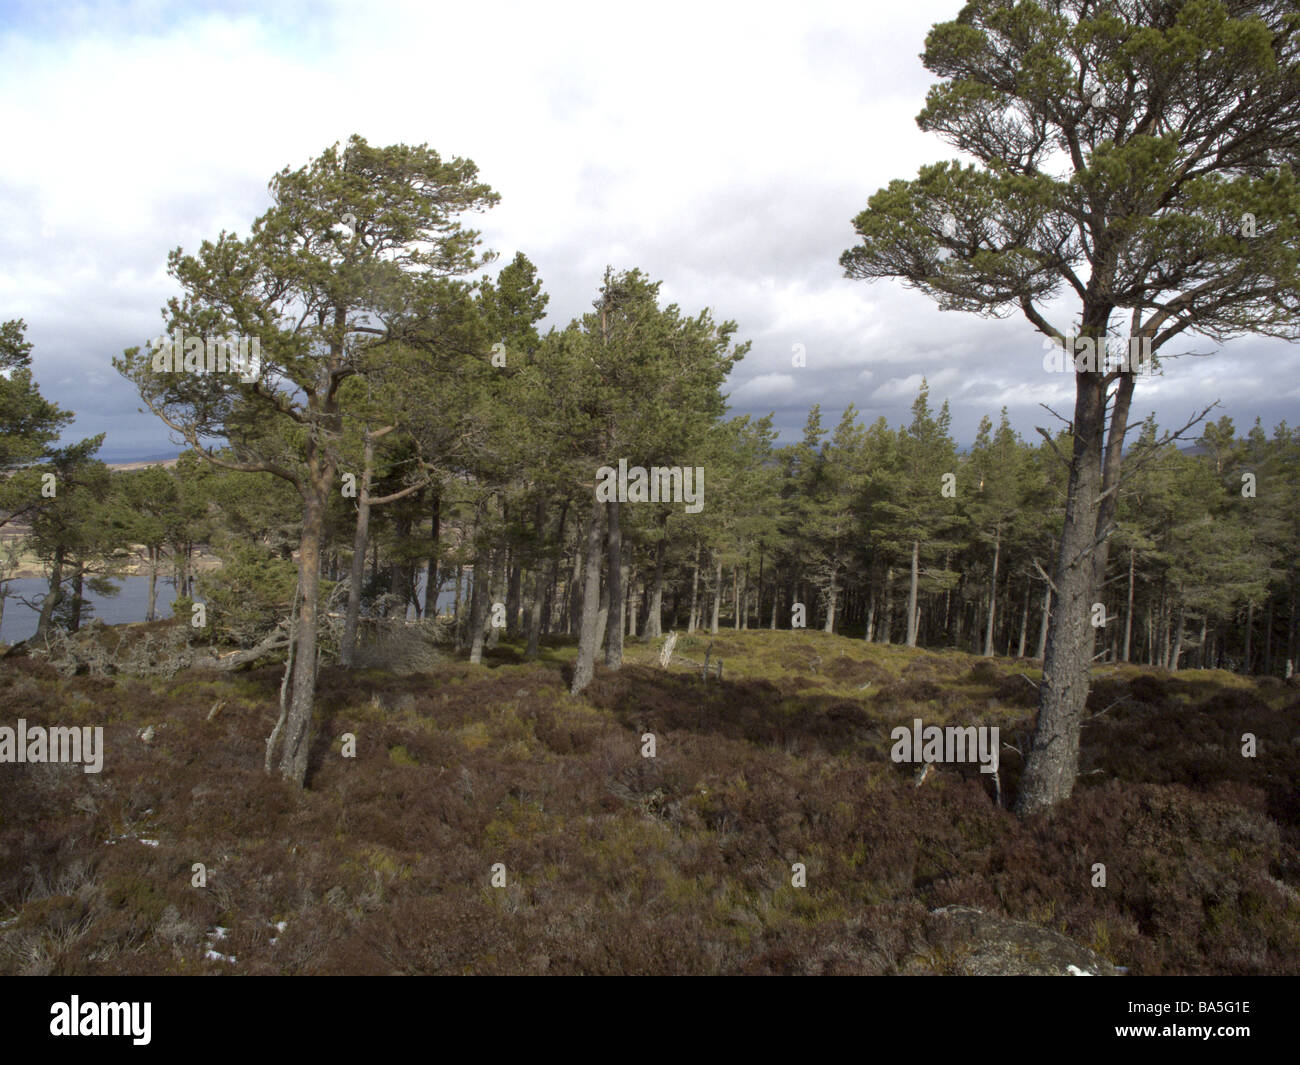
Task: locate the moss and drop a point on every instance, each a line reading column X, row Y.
column 399, row 755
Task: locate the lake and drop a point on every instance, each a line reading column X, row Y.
column 128, row 605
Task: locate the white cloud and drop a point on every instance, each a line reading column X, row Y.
column 723, row 148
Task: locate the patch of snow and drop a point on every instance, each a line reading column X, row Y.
column 1076, row 971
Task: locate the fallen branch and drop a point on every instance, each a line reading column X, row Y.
column 276, row 640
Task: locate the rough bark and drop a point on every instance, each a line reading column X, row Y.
column 654, row 616
column 151, row 613
column 478, row 606
column 297, row 729
column 584, row 668
column 360, row 539
column 496, row 592
column 993, row 596
column 1053, row 759
column 1128, row 613
column 831, row 595
column 573, row 621
column 542, row 575
column 1177, row 652
column 78, row 596
column 614, row 622
column 52, row 598
column 431, row 588
column 912, row 620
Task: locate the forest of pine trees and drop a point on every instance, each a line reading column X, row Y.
column 852, row 523
column 887, row 533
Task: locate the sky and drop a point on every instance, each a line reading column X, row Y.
column 724, row 149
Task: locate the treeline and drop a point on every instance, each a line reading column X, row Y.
column 891, row 534
column 886, row 533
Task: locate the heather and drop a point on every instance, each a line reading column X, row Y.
column 617, row 863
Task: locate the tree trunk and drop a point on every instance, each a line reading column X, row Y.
column 548, row 615
column 1167, row 633
column 399, row 572
column 496, row 593
column 151, row 613
column 654, row 618
column 1024, row 619
column 993, row 596
column 887, row 617
column 347, row 649
column 514, row 593
column 478, row 596
column 1128, row 615
column 542, row 574
column 297, row 729
column 1091, row 501
column 431, row 584
column 574, row 592
column 634, row 594
column 614, row 623
column 695, row 591
column 1053, row 760
column 78, row 592
column 1177, row 652
column 52, row 597
column 717, row 596
column 584, row 667
column 911, row 597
